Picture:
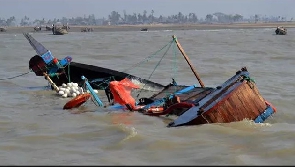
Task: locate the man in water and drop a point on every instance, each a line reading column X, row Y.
column 53, row 29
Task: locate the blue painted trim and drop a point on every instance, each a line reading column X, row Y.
column 99, row 102
column 65, row 61
column 186, row 89
column 53, row 69
column 162, row 100
column 263, row 116
column 116, row 106
column 47, row 57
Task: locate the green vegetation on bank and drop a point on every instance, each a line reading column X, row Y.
column 137, row 18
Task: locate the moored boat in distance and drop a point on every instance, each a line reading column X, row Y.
column 47, row 28
column 60, row 30
column 2, row 29
column 87, row 29
column 281, row 30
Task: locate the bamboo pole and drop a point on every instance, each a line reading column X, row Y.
column 51, row 82
column 188, row 61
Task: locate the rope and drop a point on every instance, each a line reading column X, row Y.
column 69, row 76
column 149, row 57
column 247, row 78
column 106, row 81
column 156, row 66
column 159, row 62
column 16, row 76
column 175, row 64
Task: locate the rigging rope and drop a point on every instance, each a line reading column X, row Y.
column 16, row 76
column 109, row 79
column 149, row 57
column 155, row 67
column 134, row 66
column 175, row 63
column 69, row 76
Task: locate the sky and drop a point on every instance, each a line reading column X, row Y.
column 49, row 9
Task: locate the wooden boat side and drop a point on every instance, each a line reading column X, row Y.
column 243, row 102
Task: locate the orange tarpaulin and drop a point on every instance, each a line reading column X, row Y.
column 121, row 91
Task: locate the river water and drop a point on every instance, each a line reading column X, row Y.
column 35, row 130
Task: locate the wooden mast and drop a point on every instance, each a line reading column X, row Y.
column 188, row 61
column 51, row 82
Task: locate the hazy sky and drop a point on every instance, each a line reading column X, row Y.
column 49, row 9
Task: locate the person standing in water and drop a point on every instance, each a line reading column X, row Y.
column 53, row 29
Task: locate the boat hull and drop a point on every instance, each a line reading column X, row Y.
column 59, row 31
column 2, row 29
column 281, row 31
column 98, row 77
column 66, row 71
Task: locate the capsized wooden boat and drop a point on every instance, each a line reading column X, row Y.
column 236, row 99
column 64, row 70
column 281, row 31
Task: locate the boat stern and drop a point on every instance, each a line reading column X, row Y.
column 235, row 100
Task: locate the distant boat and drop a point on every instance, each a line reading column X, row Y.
column 2, row 29
column 47, row 28
column 59, row 31
column 281, row 31
column 37, row 28
column 56, row 30
column 144, row 29
column 86, row 29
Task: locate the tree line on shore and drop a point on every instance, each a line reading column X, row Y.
column 137, row 18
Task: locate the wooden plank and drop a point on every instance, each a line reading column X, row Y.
column 243, row 99
column 241, row 103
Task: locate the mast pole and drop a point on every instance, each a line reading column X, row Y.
column 51, row 82
column 188, row 61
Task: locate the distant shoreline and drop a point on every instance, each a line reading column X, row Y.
column 107, row 28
